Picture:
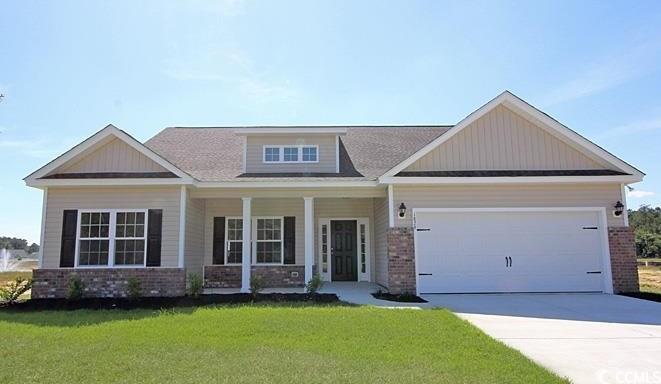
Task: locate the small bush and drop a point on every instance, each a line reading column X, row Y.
column 256, row 285
column 134, row 288
column 15, row 289
column 314, row 285
column 195, row 285
column 76, row 287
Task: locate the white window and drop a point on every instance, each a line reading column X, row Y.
column 234, row 236
column 107, row 238
column 291, row 154
column 268, row 240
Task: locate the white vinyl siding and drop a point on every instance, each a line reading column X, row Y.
column 380, row 247
column 494, row 196
column 114, row 156
column 504, row 140
column 326, row 153
column 194, row 249
column 100, row 199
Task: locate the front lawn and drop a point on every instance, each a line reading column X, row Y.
column 650, row 279
column 253, row 344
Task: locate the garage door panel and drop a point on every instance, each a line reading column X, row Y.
column 469, row 251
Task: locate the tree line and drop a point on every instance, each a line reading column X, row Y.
column 646, row 222
column 18, row 243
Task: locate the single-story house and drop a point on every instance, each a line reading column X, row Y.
column 507, row 200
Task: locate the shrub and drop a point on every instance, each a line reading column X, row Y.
column 134, row 288
column 256, row 285
column 314, row 285
column 15, row 289
column 195, row 285
column 76, row 287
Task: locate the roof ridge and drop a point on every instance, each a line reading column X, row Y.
column 315, row 126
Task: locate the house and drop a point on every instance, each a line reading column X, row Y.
column 507, row 200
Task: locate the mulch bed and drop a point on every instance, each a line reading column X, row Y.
column 644, row 296
column 399, row 298
column 166, row 302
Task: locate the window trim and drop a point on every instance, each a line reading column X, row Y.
column 227, row 240
column 255, row 241
column 111, row 238
column 281, row 153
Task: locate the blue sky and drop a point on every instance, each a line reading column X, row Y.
column 69, row 68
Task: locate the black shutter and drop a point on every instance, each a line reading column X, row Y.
column 290, row 240
column 218, row 240
column 155, row 225
column 68, row 246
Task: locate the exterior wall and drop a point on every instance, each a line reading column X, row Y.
column 115, row 156
column 401, row 261
column 488, row 196
column 380, row 246
column 108, row 282
column 327, row 153
column 623, row 259
column 503, row 140
column 59, row 199
column 288, row 193
column 222, row 276
column 229, row 276
column 194, row 244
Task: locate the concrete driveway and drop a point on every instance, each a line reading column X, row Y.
column 588, row 338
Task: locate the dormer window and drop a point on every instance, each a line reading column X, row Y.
column 291, row 154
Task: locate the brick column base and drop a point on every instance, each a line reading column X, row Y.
column 109, row 282
column 401, row 261
column 624, row 266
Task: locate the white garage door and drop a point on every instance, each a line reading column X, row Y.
column 511, row 251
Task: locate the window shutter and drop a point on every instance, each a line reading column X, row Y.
column 218, row 240
column 155, row 229
column 290, row 240
column 68, row 245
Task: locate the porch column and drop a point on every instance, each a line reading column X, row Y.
column 309, row 237
column 246, row 254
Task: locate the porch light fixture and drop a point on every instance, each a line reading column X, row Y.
column 619, row 208
column 402, row 211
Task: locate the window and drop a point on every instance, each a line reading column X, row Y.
column 363, row 249
column 268, row 240
column 112, row 238
column 324, row 248
column 271, row 154
column 94, row 238
column 130, row 238
column 234, row 250
column 291, row 154
column 309, row 154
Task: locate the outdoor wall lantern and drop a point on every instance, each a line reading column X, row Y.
column 402, row 211
column 619, row 208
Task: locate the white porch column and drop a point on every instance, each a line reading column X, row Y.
column 309, row 237
column 246, row 255
column 182, row 226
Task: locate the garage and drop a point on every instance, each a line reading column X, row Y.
column 511, row 250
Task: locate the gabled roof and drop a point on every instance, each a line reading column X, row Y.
column 518, row 105
column 215, row 154
column 39, row 176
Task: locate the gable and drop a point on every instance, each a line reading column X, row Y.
column 502, row 139
column 112, row 156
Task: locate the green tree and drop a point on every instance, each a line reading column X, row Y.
column 646, row 222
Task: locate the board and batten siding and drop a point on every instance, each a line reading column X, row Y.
column 60, row 199
column 504, row 140
column 194, row 243
column 380, row 247
column 115, row 156
column 255, row 153
column 497, row 196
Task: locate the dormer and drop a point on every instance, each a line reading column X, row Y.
column 275, row 150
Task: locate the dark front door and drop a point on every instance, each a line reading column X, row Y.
column 343, row 250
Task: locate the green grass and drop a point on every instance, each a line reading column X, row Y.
column 256, row 343
column 650, row 279
column 6, row 277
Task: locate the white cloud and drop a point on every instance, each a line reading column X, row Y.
column 636, row 194
column 609, row 72
column 648, row 125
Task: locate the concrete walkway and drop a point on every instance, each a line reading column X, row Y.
column 588, row 338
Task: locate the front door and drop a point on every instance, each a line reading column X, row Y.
column 343, row 250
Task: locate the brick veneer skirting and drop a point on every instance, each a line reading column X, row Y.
column 273, row 276
column 401, row 260
column 623, row 259
column 108, row 282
